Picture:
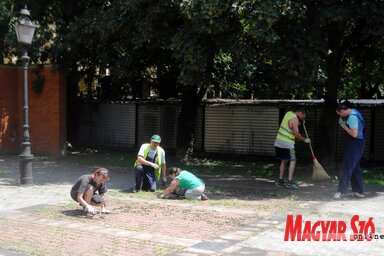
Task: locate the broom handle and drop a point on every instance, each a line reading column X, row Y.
column 310, row 145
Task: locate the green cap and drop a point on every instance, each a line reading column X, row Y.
column 156, row 138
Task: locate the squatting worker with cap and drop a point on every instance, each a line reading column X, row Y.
column 89, row 190
column 150, row 165
column 285, row 144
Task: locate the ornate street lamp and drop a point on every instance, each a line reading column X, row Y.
column 24, row 31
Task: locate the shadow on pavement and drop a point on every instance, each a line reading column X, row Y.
column 218, row 187
column 73, row 212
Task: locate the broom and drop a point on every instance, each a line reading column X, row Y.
column 318, row 171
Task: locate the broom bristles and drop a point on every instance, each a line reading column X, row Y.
column 318, row 171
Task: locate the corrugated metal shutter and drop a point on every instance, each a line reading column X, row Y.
column 116, row 125
column 158, row 119
column 109, row 125
column 342, row 135
column 378, row 148
column 241, row 129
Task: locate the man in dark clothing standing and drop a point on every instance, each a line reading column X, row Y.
column 352, row 122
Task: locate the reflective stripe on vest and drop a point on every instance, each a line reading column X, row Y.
column 284, row 133
column 158, row 160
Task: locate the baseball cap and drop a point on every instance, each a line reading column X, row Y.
column 156, row 138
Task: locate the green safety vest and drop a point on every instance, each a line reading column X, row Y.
column 158, row 160
column 285, row 133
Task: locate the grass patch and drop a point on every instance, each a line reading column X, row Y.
column 373, row 175
column 213, row 167
column 204, row 166
column 100, row 158
column 292, row 198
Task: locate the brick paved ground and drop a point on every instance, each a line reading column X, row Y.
column 136, row 227
column 244, row 216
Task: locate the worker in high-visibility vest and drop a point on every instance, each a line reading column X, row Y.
column 285, row 145
column 150, row 165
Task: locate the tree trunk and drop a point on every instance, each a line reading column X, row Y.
column 327, row 126
column 328, row 118
column 191, row 100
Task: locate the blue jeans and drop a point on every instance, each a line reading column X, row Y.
column 350, row 169
column 145, row 178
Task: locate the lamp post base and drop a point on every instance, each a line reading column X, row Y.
column 26, row 177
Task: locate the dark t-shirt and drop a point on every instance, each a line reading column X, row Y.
column 83, row 183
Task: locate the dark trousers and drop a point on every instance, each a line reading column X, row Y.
column 350, row 169
column 145, row 178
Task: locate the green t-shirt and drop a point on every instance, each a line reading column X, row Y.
column 188, row 181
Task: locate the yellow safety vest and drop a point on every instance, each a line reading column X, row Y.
column 284, row 132
column 158, row 160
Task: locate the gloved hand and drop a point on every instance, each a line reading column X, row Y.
column 341, row 122
column 90, row 209
column 307, row 140
column 155, row 166
column 105, row 210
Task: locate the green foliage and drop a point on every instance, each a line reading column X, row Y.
column 373, row 175
column 269, row 48
column 8, row 40
column 195, row 48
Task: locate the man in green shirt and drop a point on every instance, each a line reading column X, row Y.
column 193, row 186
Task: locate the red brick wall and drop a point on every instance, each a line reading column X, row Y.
column 9, row 107
column 47, row 112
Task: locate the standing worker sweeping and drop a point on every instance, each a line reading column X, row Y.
column 285, row 145
column 352, row 122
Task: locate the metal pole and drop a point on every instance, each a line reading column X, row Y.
column 25, row 157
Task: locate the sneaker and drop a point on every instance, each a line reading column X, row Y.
column 337, row 195
column 359, row 195
column 204, row 197
column 280, row 183
column 291, row 185
column 105, row 211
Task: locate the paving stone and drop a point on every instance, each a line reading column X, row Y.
column 216, row 245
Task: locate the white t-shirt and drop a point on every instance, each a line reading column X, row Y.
column 151, row 152
column 283, row 144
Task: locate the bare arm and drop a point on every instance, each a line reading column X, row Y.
column 142, row 161
column 164, row 170
column 80, row 199
column 294, row 125
column 174, row 184
column 351, row 132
